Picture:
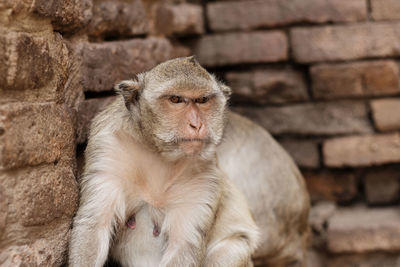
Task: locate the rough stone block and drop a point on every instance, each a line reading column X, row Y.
column 382, row 186
column 304, row 152
column 65, row 15
column 31, row 134
column 361, row 230
column 263, row 86
column 45, row 193
column 104, row 64
column 117, row 19
column 332, row 186
column 244, row 15
column 34, row 68
column 86, row 112
column 182, row 19
column 239, row 48
column 358, row 151
column 312, row 119
column 386, row 114
column 345, row 42
column 370, row 78
column 49, row 250
column 369, row 259
column 385, row 9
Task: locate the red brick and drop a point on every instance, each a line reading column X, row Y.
column 304, row 152
column 333, row 186
column 31, row 134
column 382, row 186
column 262, row 86
column 117, row 19
column 357, row 151
column 239, row 48
column 361, row 230
column 182, row 19
column 124, row 59
column 244, row 15
column 312, row 119
column 386, row 114
column 370, row 78
column 345, row 42
column 385, row 9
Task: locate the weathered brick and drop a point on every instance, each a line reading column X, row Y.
column 382, row 186
column 117, row 18
column 244, row 15
column 86, row 112
column 46, row 250
column 386, row 114
column 312, row 119
column 31, row 134
column 304, row 152
column 370, row 78
column 360, row 230
column 182, row 19
column 333, row 186
column 357, row 151
column 369, row 259
column 65, row 15
column 19, row 80
column 345, row 42
column 385, row 9
column 262, row 86
column 44, row 193
column 124, row 59
column 239, row 48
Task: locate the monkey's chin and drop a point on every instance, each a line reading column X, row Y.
column 192, row 148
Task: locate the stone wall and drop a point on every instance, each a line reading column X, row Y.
column 320, row 75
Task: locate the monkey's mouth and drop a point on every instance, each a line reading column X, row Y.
column 182, row 140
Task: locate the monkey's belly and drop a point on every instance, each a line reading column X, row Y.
column 141, row 246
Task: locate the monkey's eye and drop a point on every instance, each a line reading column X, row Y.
column 175, row 99
column 202, row 100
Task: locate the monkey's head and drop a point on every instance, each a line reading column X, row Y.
column 178, row 106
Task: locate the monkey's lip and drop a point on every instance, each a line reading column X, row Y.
column 191, row 140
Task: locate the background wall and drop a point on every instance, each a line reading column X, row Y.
column 321, row 75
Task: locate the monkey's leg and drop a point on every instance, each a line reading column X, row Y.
column 234, row 251
column 234, row 236
column 93, row 224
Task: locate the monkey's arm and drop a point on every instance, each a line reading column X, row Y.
column 235, row 235
column 93, row 225
column 188, row 221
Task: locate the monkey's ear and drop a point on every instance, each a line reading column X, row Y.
column 130, row 90
column 226, row 90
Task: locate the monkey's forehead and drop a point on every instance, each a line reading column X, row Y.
column 182, row 67
column 196, row 88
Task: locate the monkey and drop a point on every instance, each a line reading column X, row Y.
column 152, row 192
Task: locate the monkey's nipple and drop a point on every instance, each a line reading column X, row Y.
column 131, row 222
column 156, row 230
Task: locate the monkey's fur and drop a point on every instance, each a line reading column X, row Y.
column 139, row 161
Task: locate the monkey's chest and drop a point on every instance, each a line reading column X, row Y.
column 141, row 243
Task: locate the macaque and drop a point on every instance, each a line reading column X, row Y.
column 152, row 191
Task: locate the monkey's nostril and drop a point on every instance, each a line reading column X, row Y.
column 193, row 126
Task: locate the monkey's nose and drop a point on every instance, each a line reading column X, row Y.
column 196, row 126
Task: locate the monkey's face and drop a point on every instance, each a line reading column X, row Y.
column 186, row 119
column 179, row 107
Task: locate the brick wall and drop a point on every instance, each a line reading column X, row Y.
column 321, row 75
